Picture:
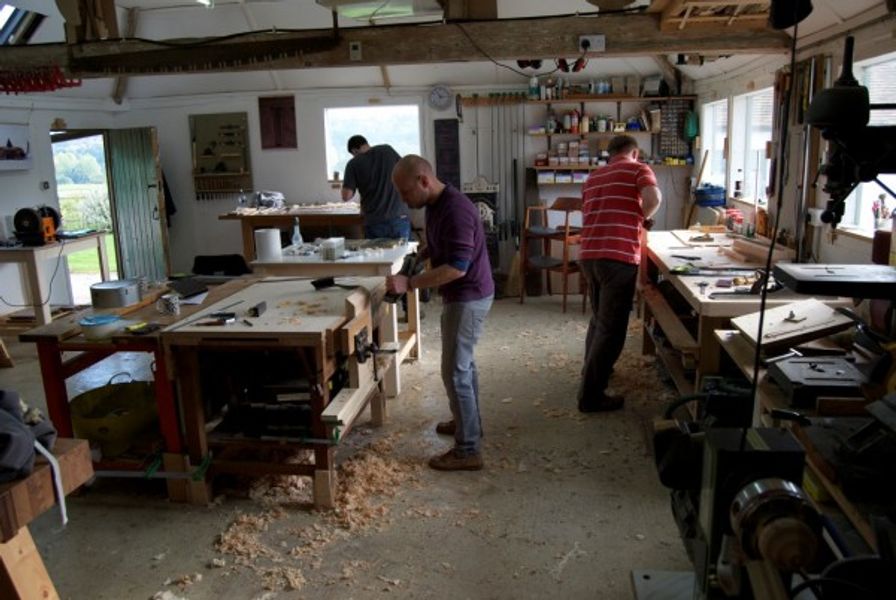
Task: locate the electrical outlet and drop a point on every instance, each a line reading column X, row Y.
column 354, row 50
column 592, row 43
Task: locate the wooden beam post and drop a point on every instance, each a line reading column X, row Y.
column 505, row 39
column 121, row 82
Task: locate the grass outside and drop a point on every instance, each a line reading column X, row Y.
column 87, row 261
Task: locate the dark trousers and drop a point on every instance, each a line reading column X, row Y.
column 611, row 285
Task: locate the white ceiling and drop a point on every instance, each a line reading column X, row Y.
column 166, row 19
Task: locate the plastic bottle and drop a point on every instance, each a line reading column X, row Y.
column 296, row 234
column 567, row 123
column 585, row 124
column 534, row 89
column 241, row 201
column 574, row 122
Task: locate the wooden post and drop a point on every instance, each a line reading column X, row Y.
column 5, row 358
column 23, row 575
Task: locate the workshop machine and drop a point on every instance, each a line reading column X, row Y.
column 858, row 152
column 36, row 226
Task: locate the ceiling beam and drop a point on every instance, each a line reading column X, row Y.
column 505, row 39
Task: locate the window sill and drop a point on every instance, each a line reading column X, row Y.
column 855, row 233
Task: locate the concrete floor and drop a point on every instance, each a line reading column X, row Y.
column 567, row 505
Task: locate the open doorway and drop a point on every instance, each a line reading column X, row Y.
column 82, row 185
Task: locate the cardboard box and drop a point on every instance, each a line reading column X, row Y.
column 563, row 178
column 545, row 177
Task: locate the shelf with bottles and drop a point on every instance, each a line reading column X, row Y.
column 610, row 98
column 587, row 134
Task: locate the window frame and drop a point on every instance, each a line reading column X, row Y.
column 742, row 156
column 338, row 147
column 709, row 132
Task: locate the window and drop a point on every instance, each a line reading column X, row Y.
column 879, row 75
column 17, row 25
column 751, row 132
column 398, row 126
column 715, row 135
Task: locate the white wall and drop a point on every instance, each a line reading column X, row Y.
column 301, row 174
column 20, row 189
column 874, row 38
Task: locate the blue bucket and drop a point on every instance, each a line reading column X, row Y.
column 710, row 195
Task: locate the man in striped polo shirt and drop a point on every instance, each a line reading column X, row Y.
column 618, row 201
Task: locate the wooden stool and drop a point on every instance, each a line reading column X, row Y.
column 23, row 575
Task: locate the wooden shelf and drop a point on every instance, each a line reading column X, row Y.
column 203, row 175
column 15, row 165
column 567, row 168
column 611, row 98
column 587, row 134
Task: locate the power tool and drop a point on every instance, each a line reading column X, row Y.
column 410, row 267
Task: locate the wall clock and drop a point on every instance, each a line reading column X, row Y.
column 440, row 97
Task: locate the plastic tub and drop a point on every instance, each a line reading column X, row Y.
column 112, row 416
column 98, row 327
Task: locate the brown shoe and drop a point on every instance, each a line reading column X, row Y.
column 446, row 427
column 455, row 461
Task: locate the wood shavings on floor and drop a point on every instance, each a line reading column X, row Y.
column 184, row 581
column 365, row 482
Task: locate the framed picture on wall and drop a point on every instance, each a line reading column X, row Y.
column 277, row 117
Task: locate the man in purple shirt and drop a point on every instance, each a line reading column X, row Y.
column 455, row 246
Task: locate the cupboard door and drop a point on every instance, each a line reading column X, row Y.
column 278, row 122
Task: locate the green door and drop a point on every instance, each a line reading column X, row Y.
column 138, row 203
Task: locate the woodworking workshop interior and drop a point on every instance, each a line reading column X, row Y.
column 449, row 299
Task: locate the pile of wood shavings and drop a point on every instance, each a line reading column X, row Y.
column 365, row 481
column 241, row 539
column 184, row 581
column 367, row 478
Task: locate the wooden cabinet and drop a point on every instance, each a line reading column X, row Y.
column 220, row 147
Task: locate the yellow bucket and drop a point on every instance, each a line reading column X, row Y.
column 114, row 414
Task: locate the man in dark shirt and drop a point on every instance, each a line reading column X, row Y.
column 370, row 174
column 455, row 246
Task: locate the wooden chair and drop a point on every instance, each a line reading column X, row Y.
column 566, row 234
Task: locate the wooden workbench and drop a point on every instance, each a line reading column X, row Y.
column 366, row 263
column 23, row 575
column 63, row 336
column 693, row 346
column 326, row 221
column 34, row 260
column 317, row 331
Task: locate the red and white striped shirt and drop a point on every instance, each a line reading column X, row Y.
column 612, row 213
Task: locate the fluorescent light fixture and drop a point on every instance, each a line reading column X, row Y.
column 368, row 10
column 207, row 3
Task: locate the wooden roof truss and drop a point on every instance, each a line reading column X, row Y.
column 715, row 14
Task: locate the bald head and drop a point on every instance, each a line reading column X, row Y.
column 411, row 166
column 415, row 181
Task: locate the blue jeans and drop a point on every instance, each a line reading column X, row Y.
column 394, row 229
column 462, row 324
